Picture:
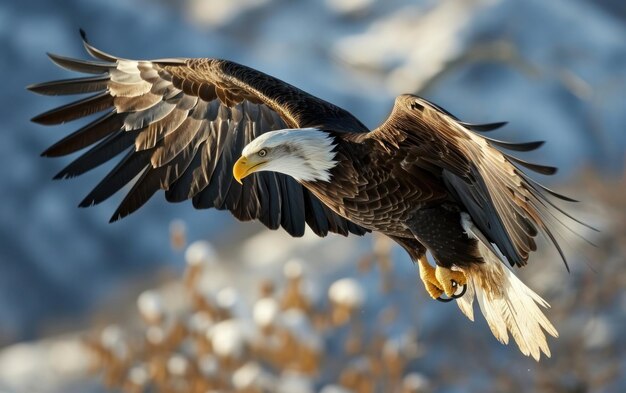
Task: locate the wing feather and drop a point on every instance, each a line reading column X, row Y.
column 125, row 171
column 84, row 66
column 183, row 123
column 75, row 110
column 87, row 135
column 509, row 207
column 180, row 190
column 89, row 84
column 174, row 142
column 110, row 147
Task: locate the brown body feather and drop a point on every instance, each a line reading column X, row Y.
column 405, row 177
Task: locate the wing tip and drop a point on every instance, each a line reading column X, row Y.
column 500, row 124
column 44, row 119
column 84, row 66
column 63, row 175
column 538, row 168
column 120, row 213
column 88, row 201
column 35, row 87
column 47, row 153
column 484, row 127
column 56, row 58
column 549, row 170
column 534, row 145
column 95, row 52
column 83, row 35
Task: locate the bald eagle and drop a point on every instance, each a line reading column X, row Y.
column 230, row 137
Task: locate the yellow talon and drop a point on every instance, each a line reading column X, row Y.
column 428, row 276
column 450, row 280
column 440, row 280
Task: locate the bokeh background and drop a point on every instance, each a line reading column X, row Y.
column 70, row 282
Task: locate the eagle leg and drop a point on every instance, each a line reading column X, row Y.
column 450, row 280
column 429, row 277
column 440, row 280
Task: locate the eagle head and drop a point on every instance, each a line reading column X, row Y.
column 306, row 154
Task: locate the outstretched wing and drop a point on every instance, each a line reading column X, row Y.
column 180, row 125
column 509, row 207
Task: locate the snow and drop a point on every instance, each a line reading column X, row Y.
column 200, row 252
column 251, row 376
column 389, row 45
column 209, row 365
column 217, row 13
column 416, row 383
column 347, row 292
column 265, row 312
column 112, row 338
column 299, row 326
column 138, row 375
column 52, row 364
column 200, row 322
column 155, row 335
column 177, row 365
column 334, row 389
column 293, row 382
column 294, row 268
column 599, row 333
column 150, row 305
column 229, row 338
column 348, row 7
column 227, row 298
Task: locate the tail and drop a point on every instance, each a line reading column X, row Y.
column 507, row 304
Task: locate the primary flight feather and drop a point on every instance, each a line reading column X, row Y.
column 231, row 137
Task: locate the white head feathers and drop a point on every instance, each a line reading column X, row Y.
column 306, row 154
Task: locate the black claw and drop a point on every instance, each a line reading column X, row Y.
column 455, row 296
column 445, row 299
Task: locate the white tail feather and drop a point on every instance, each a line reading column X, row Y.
column 507, row 304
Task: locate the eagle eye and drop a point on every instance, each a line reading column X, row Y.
column 262, row 153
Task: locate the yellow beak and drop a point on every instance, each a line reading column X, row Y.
column 243, row 168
